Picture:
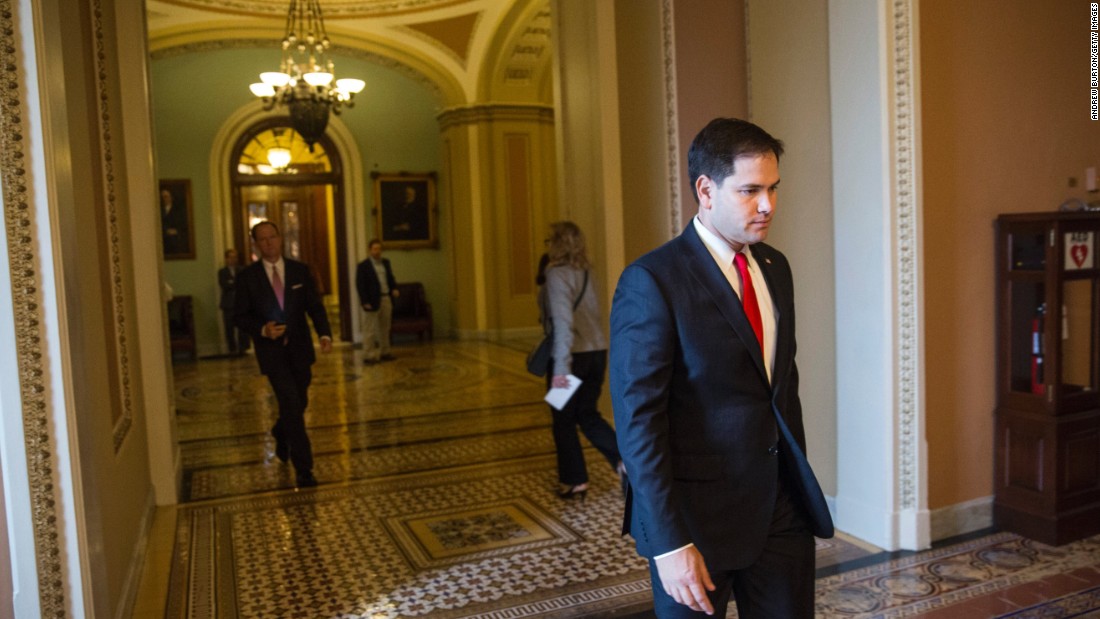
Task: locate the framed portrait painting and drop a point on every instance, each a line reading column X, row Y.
column 405, row 210
column 176, row 222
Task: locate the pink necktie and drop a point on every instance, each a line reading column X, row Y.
column 277, row 285
column 748, row 298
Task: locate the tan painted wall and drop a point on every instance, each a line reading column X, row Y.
column 643, row 138
column 711, row 75
column 1005, row 124
column 708, row 43
column 788, row 43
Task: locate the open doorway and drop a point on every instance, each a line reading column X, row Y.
column 277, row 177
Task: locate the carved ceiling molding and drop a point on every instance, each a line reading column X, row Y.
column 24, row 264
column 476, row 114
column 337, row 9
column 342, row 50
column 462, row 59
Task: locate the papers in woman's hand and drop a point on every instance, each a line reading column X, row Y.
column 558, row 397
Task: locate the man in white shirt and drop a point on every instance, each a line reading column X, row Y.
column 377, row 289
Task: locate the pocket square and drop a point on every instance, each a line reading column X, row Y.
column 296, row 286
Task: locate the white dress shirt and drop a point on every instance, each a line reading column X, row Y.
column 723, row 256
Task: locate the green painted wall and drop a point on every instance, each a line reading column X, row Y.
column 394, row 125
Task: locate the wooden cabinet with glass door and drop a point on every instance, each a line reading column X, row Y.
column 1047, row 426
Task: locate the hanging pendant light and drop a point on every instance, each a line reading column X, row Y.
column 306, row 80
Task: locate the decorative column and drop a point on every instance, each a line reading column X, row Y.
column 498, row 178
column 882, row 488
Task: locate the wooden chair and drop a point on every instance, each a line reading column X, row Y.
column 411, row 311
column 181, row 327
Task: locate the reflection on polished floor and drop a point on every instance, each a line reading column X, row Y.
column 437, row 500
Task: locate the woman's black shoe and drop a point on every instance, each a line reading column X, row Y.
column 573, row 492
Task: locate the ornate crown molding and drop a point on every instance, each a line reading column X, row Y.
column 475, row 114
column 333, row 8
column 27, row 303
column 343, row 50
column 906, row 231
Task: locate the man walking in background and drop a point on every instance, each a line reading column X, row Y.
column 236, row 340
column 377, row 289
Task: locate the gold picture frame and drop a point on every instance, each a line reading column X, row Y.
column 405, row 210
column 176, row 219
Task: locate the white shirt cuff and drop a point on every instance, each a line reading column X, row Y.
column 672, row 552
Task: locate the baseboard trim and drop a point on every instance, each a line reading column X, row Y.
column 132, row 584
column 496, row 335
column 962, row 518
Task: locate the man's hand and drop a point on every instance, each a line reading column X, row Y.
column 685, row 579
column 395, row 293
column 367, row 307
column 560, row 381
column 326, row 344
column 272, row 330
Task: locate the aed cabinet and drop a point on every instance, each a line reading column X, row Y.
column 1047, row 416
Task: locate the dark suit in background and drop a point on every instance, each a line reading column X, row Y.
column 236, row 340
column 286, row 361
column 366, row 282
column 175, row 226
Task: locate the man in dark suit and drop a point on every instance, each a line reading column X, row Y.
column 377, row 289
column 236, row 340
column 407, row 220
column 174, row 227
column 274, row 294
column 705, row 392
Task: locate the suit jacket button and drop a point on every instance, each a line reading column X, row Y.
column 773, row 450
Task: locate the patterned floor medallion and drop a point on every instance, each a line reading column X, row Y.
column 438, row 500
column 448, row 536
column 945, row 578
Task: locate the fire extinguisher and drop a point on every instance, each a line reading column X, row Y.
column 1038, row 385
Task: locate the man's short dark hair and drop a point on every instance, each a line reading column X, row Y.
column 715, row 149
column 373, row 242
column 263, row 223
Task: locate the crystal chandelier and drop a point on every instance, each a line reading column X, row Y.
column 305, row 82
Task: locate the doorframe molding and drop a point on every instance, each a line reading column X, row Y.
column 351, row 186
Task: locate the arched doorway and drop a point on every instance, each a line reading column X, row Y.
column 302, row 193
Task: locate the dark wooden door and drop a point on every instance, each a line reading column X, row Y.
column 301, row 212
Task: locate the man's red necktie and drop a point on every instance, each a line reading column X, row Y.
column 748, row 298
column 277, row 285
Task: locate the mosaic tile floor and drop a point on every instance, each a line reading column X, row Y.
column 437, row 500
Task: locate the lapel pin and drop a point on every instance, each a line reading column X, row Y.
column 768, row 260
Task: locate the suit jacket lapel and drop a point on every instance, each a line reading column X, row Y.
column 784, row 330
column 703, row 268
column 291, row 280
